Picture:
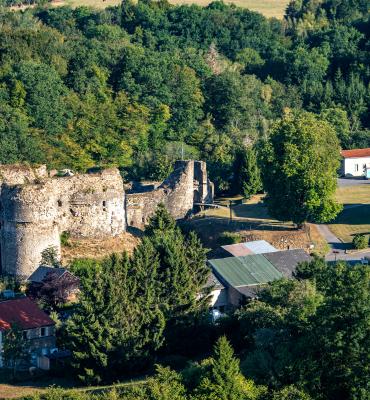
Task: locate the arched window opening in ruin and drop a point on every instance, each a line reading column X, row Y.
column 60, row 203
column 104, row 203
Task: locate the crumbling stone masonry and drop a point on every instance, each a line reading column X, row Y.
column 36, row 208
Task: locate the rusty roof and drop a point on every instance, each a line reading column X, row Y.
column 355, row 153
column 24, row 313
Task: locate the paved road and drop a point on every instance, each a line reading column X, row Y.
column 343, row 182
column 336, row 245
column 348, row 257
column 338, row 248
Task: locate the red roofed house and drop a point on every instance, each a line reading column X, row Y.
column 38, row 327
column 356, row 162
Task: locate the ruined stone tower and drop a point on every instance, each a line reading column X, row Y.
column 188, row 184
column 36, row 209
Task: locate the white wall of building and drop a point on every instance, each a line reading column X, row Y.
column 355, row 166
column 218, row 298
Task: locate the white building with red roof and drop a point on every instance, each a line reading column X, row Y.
column 38, row 328
column 356, row 162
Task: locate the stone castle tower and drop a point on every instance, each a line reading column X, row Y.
column 35, row 208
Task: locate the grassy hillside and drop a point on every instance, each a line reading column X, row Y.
column 269, row 8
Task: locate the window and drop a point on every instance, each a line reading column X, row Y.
column 25, row 334
column 42, row 331
column 356, row 167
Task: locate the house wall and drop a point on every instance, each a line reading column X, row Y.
column 235, row 298
column 355, row 166
column 218, row 298
column 37, row 343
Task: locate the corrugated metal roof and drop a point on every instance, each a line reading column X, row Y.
column 286, row 261
column 246, row 248
column 238, row 249
column 259, row 246
column 249, row 291
column 245, row 271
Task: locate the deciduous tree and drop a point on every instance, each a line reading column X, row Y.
column 300, row 163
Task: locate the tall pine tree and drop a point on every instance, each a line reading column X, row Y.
column 223, row 380
column 247, row 180
column 118, row 323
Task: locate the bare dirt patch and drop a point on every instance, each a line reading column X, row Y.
column 250, row 221
column 98, row 248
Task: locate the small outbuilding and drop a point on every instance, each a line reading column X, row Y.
column 356, row 163
column 244, row 276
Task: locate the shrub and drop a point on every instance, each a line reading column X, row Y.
column 64, row 239
column 359, row 241
column 229, row 238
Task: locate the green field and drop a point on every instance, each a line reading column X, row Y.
column 354, row 219
column 269, row 8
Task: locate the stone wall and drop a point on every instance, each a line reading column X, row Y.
column 36, row 209
column 34, row 215
column 188, row 184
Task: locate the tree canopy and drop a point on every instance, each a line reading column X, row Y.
column 300, row 163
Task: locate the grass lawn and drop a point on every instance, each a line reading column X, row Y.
column 251, row 221
column 16, row 391
column 359, row 194
column 353, row 219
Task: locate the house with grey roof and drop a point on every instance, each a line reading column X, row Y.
column 67, row 282
column 244, row 276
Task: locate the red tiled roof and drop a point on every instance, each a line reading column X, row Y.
column 23, row 312
column 356, row 153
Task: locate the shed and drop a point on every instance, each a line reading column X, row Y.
column 249, row 270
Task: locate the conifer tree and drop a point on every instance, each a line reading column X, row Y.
column 182, row 263
column 247, row 176
column 182, row 273
column 118, row 323
column 224, row 380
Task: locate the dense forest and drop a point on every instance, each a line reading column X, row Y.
column 301, row 339
column 140, row 85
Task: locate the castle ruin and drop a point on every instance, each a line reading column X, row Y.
column 35, row 208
